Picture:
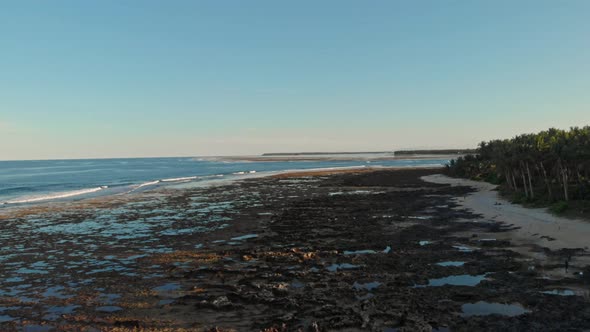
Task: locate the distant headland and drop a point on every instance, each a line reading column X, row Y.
column 398, row 152
column 349, row 155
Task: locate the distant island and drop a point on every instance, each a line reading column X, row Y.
column 398, row 152
column 351, row 156
column 434, row 152
column 276, row 154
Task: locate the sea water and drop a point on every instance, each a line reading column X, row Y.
column 34, row 181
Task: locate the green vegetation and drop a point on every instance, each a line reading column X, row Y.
column 559, row 207
column 550, row 168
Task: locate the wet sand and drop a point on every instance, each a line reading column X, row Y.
column 532, row 227
column 377, row 250
column 536, row 226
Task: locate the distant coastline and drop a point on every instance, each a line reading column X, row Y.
column 275, row 154
column 436, row 152
column 398, row 152
column 352, row 156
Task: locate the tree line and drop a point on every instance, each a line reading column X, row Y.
column 551, row 165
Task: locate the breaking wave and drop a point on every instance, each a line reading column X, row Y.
column 31, row 199
column 187, row 178
column 145, row 184
column 244, row 172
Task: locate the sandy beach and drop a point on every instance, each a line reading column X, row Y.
column 531, row 227
column 536, row 226
column 354, row 250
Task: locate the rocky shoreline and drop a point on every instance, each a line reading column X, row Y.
column 368, row 251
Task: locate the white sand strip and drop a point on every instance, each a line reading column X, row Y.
column 533, row 223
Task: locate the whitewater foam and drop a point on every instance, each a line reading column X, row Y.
column 66, row 194
column 244, row 172
column 145, row 184
column 41, row 181
column 187, row 178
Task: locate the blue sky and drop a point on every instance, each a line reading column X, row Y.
column 169, row 78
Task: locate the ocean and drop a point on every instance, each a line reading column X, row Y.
column 37, row 181
column 160, row 229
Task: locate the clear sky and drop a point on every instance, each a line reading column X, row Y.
column 122, row 78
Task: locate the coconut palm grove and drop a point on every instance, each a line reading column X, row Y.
column 552, row 166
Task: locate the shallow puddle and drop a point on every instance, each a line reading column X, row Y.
column 55, row 291
column 359, row 252
column 109, row 308
column 24, row 270
column 366, row 286
column 54, row 313
column 560, row 292
column 297, row 284
column 167, row 290
column 483, row 308
column 6, row 318
column 450, row 263
column 456, row 280
column 344, row 266
column 463, row 248
column 38, row 328
column 2, row 309
column 420, row 217
column 108, row 298
column 244, row 237
column 15, row 279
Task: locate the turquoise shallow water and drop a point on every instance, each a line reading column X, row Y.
column 29, row 182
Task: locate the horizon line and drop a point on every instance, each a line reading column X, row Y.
column 221, row 156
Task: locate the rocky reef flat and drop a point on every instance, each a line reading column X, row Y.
column 377, row 250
